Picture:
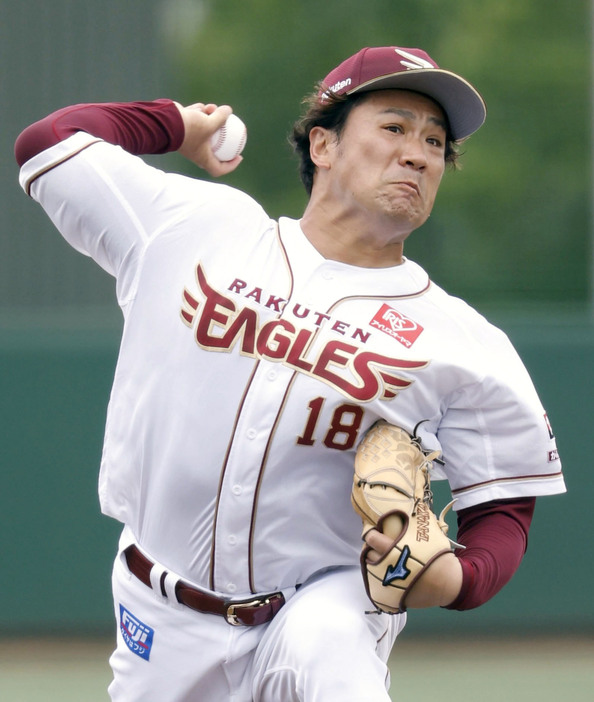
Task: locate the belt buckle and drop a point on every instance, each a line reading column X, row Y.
column 232, row 617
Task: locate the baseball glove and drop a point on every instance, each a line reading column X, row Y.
column 392, row 493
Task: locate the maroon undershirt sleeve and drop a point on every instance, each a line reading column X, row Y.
column 154, row 127
column 496, row 537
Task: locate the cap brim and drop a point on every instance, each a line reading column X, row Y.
column 463, row 105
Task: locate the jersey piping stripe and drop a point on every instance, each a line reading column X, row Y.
column 230, row 444
column 274, row 427
column 265, row 457
column 287, row 261
column 496, row 481
column 259, row 483
column 223, row 470
column 407, row 296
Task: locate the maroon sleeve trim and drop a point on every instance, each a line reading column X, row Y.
column 138, row 127
column 519, row 478
column 496, row 537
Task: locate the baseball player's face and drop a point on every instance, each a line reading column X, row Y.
column 389, row 160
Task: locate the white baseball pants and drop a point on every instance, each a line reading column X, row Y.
column 320, row 647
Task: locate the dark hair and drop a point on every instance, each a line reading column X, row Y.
column 332, row 113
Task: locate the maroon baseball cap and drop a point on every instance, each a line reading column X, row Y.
column 383, row 67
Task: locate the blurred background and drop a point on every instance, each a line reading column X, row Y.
column 511, row 233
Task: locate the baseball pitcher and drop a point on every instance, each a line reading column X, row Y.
column 287, row 390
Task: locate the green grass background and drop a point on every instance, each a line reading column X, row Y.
column 423, row 668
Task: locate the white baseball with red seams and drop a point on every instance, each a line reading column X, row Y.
column 229, row 141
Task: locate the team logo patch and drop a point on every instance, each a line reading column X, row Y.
column 391, row 322
column 137, row 635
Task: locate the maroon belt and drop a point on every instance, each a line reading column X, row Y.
column 258, row 610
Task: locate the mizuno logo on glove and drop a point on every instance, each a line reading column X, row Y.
column 398, row 571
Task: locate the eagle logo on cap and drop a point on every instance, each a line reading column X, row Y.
column 412, row 60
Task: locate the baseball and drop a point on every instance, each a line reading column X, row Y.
column 228, row 141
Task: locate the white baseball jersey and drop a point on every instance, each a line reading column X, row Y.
column 250, row 367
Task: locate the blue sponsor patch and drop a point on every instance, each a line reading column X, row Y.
column 137, row 635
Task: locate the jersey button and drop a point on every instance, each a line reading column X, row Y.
column 232, row 539
column 251, row 433
column 237, row 489
column 231, row 587
column 271, row 375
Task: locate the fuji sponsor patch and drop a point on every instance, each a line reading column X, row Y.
column 398, row 326
column 137, row 635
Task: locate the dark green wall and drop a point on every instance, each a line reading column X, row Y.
column 56, row 548
column 55, row 545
